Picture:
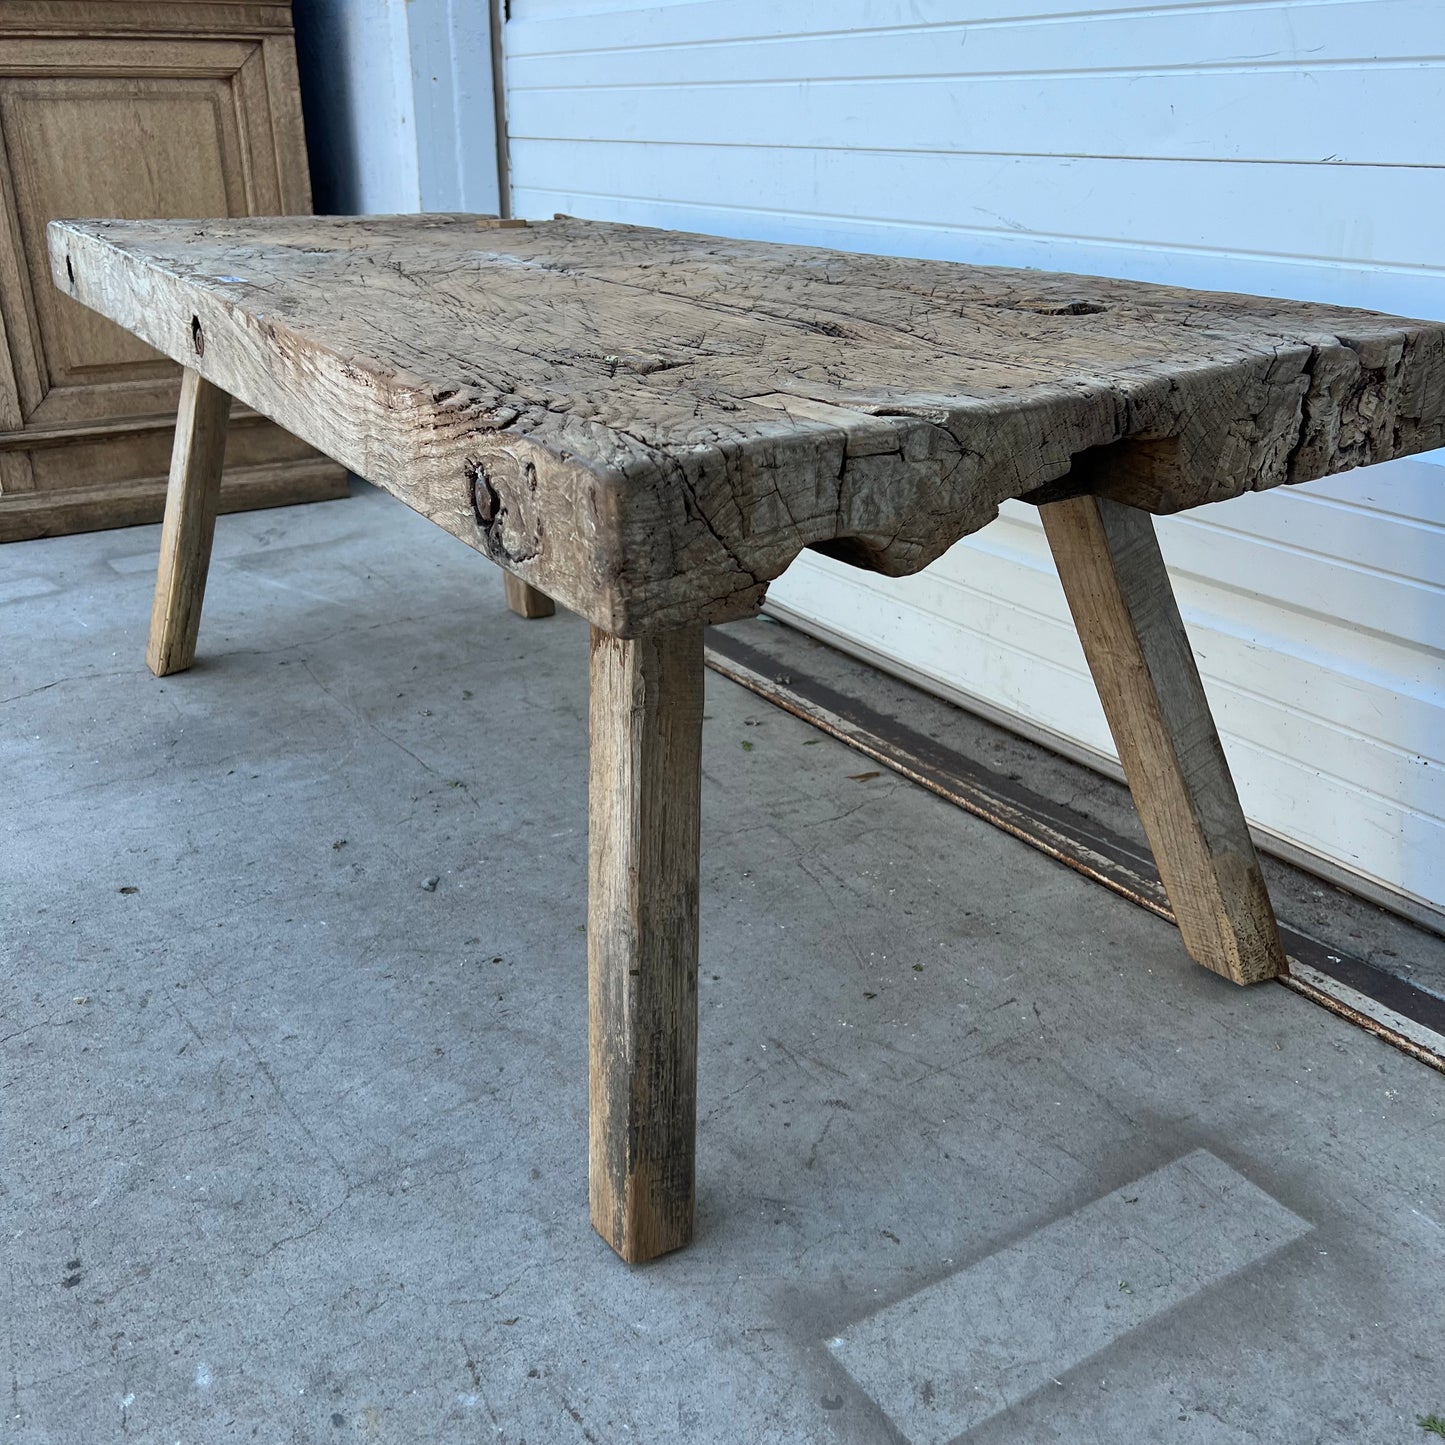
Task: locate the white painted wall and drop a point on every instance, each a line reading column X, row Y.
column 398, row 99
column 1283, row 147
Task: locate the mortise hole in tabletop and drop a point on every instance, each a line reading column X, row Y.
column 70, row 271
column 1076, row 307
column 855, row 551
column 1136, row 470
column 198, row 337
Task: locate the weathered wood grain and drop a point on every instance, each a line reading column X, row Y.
column 650, row 426
column 1123, row 606
column 526, row 601
column 642, row 910
column 189, row 526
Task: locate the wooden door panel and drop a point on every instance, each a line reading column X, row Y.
column 116, row 128
column 131, row 108
column 60, row 138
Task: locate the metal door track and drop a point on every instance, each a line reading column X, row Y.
column 1392, row 1008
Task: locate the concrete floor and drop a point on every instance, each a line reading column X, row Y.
column 294, row 1147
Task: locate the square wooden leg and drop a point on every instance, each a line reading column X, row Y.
column 190, row 524
column 642, row 857
column 1113, row 575
column 525, row 600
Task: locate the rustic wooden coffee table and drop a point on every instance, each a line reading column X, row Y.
column 648, row 427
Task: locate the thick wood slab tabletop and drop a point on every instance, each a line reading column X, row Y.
column 649, row 426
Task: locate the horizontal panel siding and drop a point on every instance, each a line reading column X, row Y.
column 1226, row 208
column 1187, row 39
column 599, row 27
column 1288, row 149
column 1239, row 115
column 1382, row 599
column 1406, row 490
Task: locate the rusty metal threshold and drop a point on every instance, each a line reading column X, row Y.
column 1394, row 1009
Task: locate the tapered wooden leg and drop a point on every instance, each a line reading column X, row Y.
column 1114, row 578
column 642, row 863
column 525, row 600
column 190, row 524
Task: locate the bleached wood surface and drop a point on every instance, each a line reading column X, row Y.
column 649, row 426
column 192, row 495
column 1139, row 653
column 643, row 841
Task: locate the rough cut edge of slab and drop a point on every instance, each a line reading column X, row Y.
column 639, row 537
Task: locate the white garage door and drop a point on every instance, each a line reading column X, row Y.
column 1290, row 149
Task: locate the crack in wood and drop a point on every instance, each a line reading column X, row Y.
column 688, row 413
